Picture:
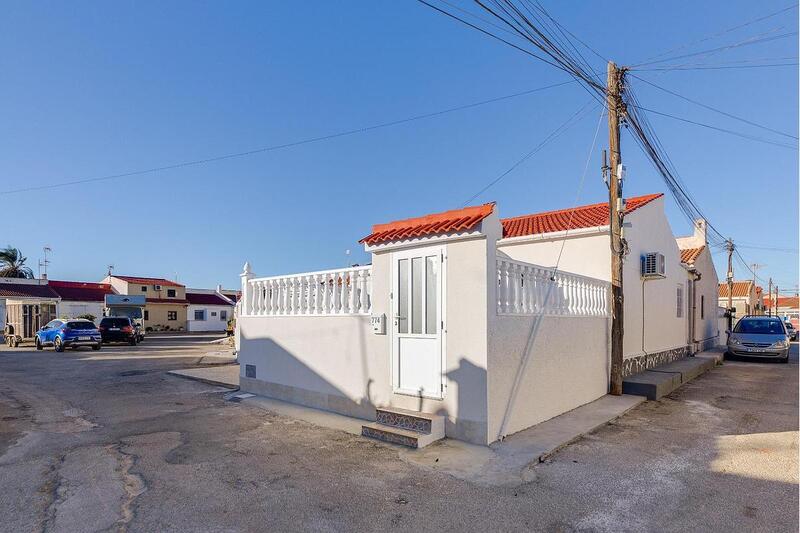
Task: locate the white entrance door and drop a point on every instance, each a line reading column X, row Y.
column 417, row 326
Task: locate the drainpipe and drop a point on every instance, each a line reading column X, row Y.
column 644, row 280
column 692, row 323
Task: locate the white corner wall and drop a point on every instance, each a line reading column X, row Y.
column 566, row 367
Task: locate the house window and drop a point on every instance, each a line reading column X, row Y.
column 223, row 315
column 702, row 306
column 172, row 315
column 679, row 313
column 170, row 293
column 146, row 314
column 144, row 288
column 200, row 314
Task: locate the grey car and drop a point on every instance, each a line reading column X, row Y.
column 762, row 337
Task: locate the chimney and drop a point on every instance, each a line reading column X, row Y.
column 700, row 231
column 219, row 289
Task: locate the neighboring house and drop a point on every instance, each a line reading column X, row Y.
column 745, row 297
column 209, row 309
column 166, row 306
column 464, row 316
column 81, row 298
column 577, row 239
column 33, row 299
column 702, row 287
column 787, row 308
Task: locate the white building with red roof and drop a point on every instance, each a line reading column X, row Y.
column 80, row 298
column 209, row 309
column 472, row 326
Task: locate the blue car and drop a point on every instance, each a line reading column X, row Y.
column 68, row 333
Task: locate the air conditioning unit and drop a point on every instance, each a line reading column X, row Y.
column 157, row 287
column 653, row 265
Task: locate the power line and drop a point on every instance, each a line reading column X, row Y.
column 723, row 32
column 706, row 106
column 747, row 42
column 722, row 67
column 571, row 121
column 768, row 248
column 281, row 146
column 717, row 128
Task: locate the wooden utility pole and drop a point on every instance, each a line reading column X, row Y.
column 730, row 284
column 616, row 211
column 769, row 295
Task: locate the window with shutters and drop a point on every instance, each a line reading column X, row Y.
column 679, row 312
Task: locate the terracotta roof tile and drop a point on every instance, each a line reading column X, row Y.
column 741, row 289
column 688, row 255
column 784, row 302
column 148, row 281
column 24, row 290
column 80, row 291
column 587, row 216
column 455, row 220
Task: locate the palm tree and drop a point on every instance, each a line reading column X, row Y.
column 12, row 264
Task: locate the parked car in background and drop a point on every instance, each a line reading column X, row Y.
column 761, row 337
column 790, row 330
column 118, row 329
column 63, row 334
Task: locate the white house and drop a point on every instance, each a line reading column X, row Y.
column 209, row 309
column 702, row 284
column 655, row 310
column 462, row 322
column 80, row 298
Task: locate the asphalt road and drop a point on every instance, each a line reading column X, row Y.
column 93, row 441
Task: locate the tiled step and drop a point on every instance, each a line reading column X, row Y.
column 411, row 420
column 408, row 428
column 404, row 437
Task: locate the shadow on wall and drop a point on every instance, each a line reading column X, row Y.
column 278, row 373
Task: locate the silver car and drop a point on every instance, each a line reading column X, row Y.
column 763, row 337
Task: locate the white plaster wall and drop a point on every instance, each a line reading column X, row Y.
column 589, row 255
column 72, row 309
column 567, row 367
column 211, row 323
column 328, row 355
column 647, row 230
column 707, row 328
column 339, row 364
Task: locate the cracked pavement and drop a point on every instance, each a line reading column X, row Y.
column 107, row 441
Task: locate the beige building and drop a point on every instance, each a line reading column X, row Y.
column 166, row 300
column 746, row 297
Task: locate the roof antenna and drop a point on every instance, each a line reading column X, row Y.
column 43, row 263
column 110, row 270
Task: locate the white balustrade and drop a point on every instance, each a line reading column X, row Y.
column 528, row 289
column 331, row 292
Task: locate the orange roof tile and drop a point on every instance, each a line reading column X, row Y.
column 784, row 302
column 435, row 224
column 688, row 255
column 587, row 216
column 741, row 289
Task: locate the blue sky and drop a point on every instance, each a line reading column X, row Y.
column 92, row 89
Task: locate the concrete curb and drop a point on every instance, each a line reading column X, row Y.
column 198, row 374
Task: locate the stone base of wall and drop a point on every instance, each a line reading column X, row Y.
column 637, row 364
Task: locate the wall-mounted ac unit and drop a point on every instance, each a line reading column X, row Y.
column 157, row 287
column 653, row 265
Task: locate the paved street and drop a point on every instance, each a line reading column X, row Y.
column 105, row 440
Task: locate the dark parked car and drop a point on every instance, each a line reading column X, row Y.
column 118, row 329
column 760, row 337
column 68, row 334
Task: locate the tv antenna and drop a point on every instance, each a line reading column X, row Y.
column 44, row 262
